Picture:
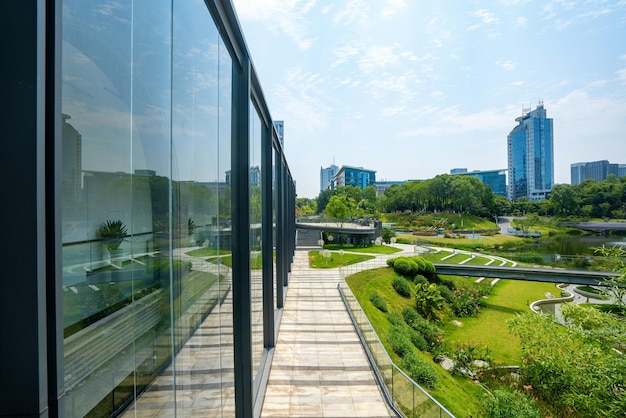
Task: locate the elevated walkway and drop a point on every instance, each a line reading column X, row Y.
column 320, row 368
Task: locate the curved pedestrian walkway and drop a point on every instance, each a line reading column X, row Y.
column 320, row 368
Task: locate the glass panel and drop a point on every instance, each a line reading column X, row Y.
column 256, row 255
column 115, row 180
column 274, row 221
column 201, row 240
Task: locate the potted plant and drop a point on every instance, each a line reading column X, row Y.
column 112, row 233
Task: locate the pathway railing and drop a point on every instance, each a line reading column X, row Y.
column 406, row 397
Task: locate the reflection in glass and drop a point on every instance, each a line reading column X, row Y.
column 146, row 207
column 256, row 255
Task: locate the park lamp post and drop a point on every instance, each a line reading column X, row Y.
column 331, row 238
column 320, row 243
column 393, row 240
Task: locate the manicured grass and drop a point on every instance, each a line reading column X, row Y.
column 206, row 252
column 508, row 298
column 460, row 396
column 492, row 241
column 374, row 249
column 317, row 261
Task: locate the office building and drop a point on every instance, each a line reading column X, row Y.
column 495, row 179
column 531, row 156
column 383, row 185
column 136, row 279
column 326, row 175
column 595, row 170
column 621, row 170
column 458, row 171
column 353, row 176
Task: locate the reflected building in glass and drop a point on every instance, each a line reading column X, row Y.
column 156, row 213
column 531, row 156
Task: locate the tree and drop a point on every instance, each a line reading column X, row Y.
column 564, row 200
column 428, row 301
column 388, row 233
column 339, row 207
column 613, row 258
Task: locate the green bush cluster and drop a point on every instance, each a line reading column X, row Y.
column 399, row 340
column 395, row 318
column 429, row 331
column 378, row 301
column 466, row 301
column 411, row 266
column 402, row 286
column 420, row 371
column 505, row 403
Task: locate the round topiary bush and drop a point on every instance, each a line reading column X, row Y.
column 403, row 266
column 400, row 341
column 420, row 371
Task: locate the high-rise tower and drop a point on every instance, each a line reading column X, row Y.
column 531, row 156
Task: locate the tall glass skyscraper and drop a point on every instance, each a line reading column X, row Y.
column 531, row 156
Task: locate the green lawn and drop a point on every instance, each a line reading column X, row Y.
column 206, row 252
column 317, row 261
column 488, row 328
column 374, row 249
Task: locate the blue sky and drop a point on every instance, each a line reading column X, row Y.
column 413, row 88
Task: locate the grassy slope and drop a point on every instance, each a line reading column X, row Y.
column 489, row 328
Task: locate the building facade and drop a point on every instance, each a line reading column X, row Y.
column 138, row 279
column 595, row 170
column 495, row 179
column 326, row 175
column 531, row 156
column 353, row 176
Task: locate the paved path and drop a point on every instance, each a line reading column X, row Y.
column 320, row 368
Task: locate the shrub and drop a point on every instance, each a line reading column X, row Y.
column 402, row 286
column 391, row 261
column 484, row 289
column 465, row 302
column 378, row 301
column 418, row 340
column 504, row 403
column 431, row 333
column 395, row 318
column 399, row 340
column 405, row 266
column 429, row 268
column 446, row 293
column 428, row 301
column 419, row 279
column 420, row 371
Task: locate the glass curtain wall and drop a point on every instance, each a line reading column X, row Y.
column 146, row 208
column 256, row 228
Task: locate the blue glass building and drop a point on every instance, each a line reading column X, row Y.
column 152, row 214
column 353, row 176
column 531, row 156
column 495, row 179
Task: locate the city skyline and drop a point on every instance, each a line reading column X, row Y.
column 412, row 89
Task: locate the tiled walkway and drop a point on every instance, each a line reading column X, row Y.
column 320, row 368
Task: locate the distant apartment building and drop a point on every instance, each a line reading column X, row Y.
column 531, row 156
column 458, row 171
column 495, row 179
column 595, row 170
column 353, row 176
column 381, row 186
column 326, row 175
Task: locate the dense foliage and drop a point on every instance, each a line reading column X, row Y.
column 575, row 369
column 443, row 193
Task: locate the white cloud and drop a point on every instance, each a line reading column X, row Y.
column 622, row 57
column 345, row 52
column 393, row 111
column 621, row 74
column 488, row 21
column 286, row 16
column 355, row 12
column 521, row 22
column 378, row 56
column 392, row 7
column 508, row 65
